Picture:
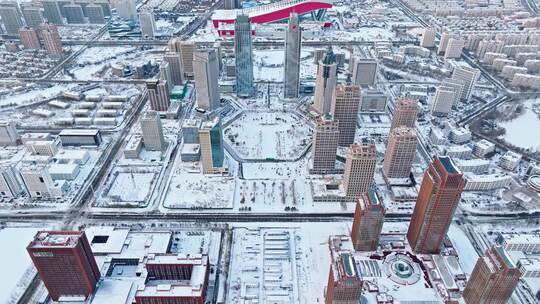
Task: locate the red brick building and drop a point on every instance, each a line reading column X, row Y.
column 367, row 222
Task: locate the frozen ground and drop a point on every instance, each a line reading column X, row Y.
column 132, row 187
column 518, row 129
column 268, row 135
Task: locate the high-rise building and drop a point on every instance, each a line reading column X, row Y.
column 158, row 94
column 344, row 108
column 400, row 152
column 165, row 72
column 11, row 17
column 454, row 48
column 443, row 43
column 32, row 14
column 325, row 143
column 206, row 74
column 211, row 141
column 51, row 12
column 37, row 180
column 428, row 37
column 152, row 131
column 95, row 14
column 105, row 6
column 10, row 186
column 368, row 221
column 126, row 9
column 175, row 64
column 65, row 263
column 243, row 53
column 344, row 281
column 359, row 169
column 468, row 76
column 8, row 133
column 494, row 278
column 50, row 39
column 436, row 204
column 147, row 23
column 293, row 41
column 29, row 38
column 405, row 113
column 364, row 71
column 231, row 4
column 325, row 82
column 74, row 14
column 185, row 49
column 443, row 100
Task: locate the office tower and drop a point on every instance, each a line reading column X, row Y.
column 175, row 64
column 65, row 263
column 11, row 17
column 158, row 94
column 206, row 74
column 147, row 23
column 29, row 38
column 364, row 71
column 368, row 221
column 8, row 133
column 32, row 15
column 325, row 143
column 400, row 152
column 293, row 41
column 454, row 48
column 443, row 100
column 186, row 50
column 443, row 43
column 211, row 141
column 10, row 186
column 345, row 101
column 437, row 201
column 468, row 76
column 456, row 85
column 50, row 38
column 231, row 4
column 190, row 131
column 74, row 14
column 126, row 9
column 494, row 278
column 95, row 14
column 428, row 38
column 405, row 113
column 37, row 180
column 344, row 281
column 165, row 72
column 325, row 82
column 243, row 54
column 152, row 131
column 51, row 12
column 359, row 169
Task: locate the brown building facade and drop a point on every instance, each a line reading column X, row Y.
column 368, row 221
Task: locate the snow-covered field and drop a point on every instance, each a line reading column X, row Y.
column 518, row 129
column 268, row 135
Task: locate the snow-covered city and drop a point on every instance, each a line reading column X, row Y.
column 269, row 151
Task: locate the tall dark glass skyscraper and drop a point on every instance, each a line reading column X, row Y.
column 293, row 40
column 243, row 53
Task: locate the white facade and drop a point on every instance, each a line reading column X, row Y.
column 8, row 133
column 206, row 74
column 152, row 131
column 38, row 181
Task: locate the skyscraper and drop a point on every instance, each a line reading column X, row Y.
column 175, row 64
column 126, row 9
column 400, row 152
column 8, row 133
column 359, row 169
column 51, row 12
column 147, row 23
column 368, row 221
column 29, row 38
column 436, row 204
column 325, row 83
column 95, row 14
column 443, row 100
column 345, row 102
column 11, row 17
column 152, row 131
column 325, row 143
column 206, row 74
column 165, row 72
column 65, row 263
column 468, row 76
column 243, row 53
column 158, row 94
column 293, row 41
column 32, row 15
column 364, row 71
column 211, row 141
column 428, row 38
column 493, row 279
column 344, row 281
column 74, row 14
column 185, row 50
column 9, row 184
column 50, row 39
column 405, row 113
